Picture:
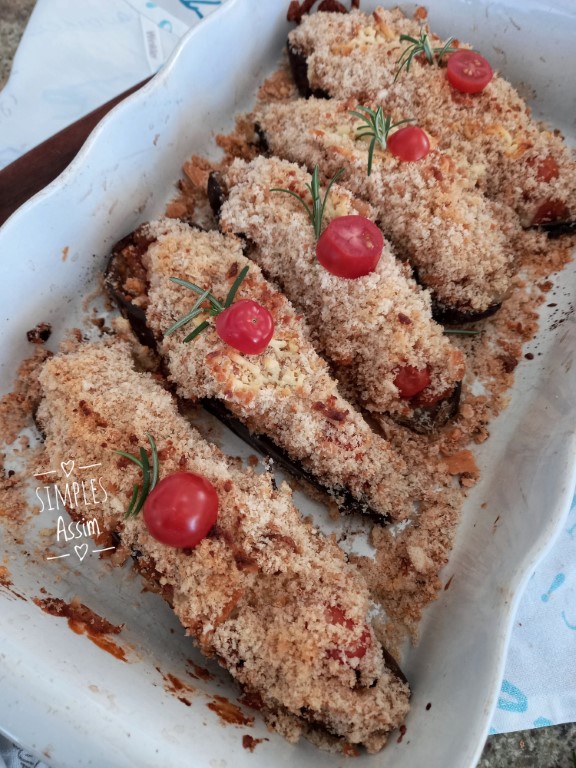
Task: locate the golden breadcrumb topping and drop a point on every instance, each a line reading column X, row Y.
column 452, row 235
column 514, row 158
column 286, row 392
column 368, row 327
column 259, row 592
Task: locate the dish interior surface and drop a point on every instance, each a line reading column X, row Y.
column 65, row 698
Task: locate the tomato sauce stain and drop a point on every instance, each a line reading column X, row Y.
column 6, row 583
column 173, row 684
column 252, row 700
column 402, row 734
column 250, row 743
column 83, row 621
column 199, row 672
column 228, row 712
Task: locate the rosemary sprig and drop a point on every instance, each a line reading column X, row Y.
column 149, row 476
column 421, row 45
column 377, row 125
column 216, row 306
column 315, row 213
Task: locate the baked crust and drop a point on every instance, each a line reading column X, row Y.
column 287, row 392
column 256, row 593
column 368, row 327
column 492, row 133
column 454, row 237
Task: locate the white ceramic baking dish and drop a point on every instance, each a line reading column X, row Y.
column 63, row 697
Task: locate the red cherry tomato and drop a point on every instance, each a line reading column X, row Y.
column 181, row 509
column 350, row 247
column 468, row 72
column 409, row 143
column 246, row 325
column 358, row 648
column 410, row 381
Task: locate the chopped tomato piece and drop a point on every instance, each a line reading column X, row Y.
column 547, row 169
column 410, row 381
column 358, row 648
column 428, row 399
column 549, row 211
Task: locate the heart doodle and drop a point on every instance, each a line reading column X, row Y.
column 81, row 550
column 67, row 467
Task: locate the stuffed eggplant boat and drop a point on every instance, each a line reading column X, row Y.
column 454, row 238
column 375, row 328
column 256, row 587
column 256, row 359
column 396, row 63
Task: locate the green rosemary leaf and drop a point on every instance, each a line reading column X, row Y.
column 421, row 46
column 183, row 320
column 371, row 154
column 377, row 125
column 130, row 511
column 155, row 464
column 361, row 115
column 427, row 49
column 196, row 331
column 446, row 48
column 196, row 288
column 145, row 482
column 235, row 286
column 129, row 456
column 461, row 332
column 315, row 213
column 149, row 477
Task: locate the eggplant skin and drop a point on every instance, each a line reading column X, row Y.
column 299, row 69
column 426, row 421
column 446, row 315
column 125, row 264
column 346, row 502
column 558, row 228
column 216, row 190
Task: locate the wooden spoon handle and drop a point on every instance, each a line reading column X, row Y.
column 42, row 164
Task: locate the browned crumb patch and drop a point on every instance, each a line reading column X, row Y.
column 250, row 743
column 39, row 334
column 18, row 406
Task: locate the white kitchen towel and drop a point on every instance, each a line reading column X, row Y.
column 76, row 56
column 539, row 685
